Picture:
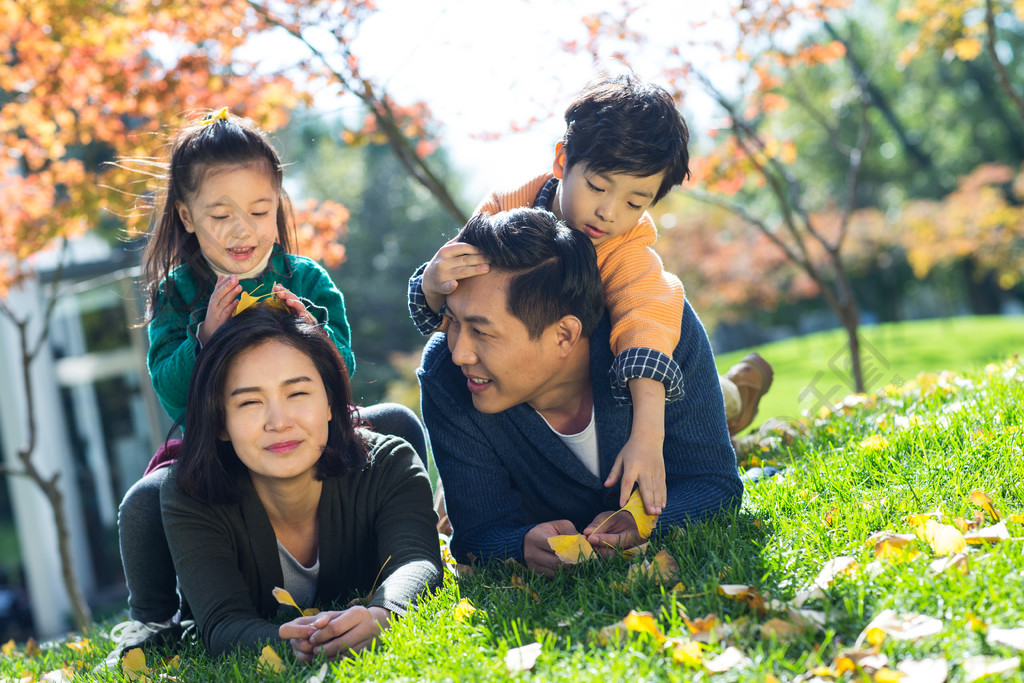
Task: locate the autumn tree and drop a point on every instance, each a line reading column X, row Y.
column 85, row 83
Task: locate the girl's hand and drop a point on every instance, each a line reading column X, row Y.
column 335, row 634
column 222, row 305
column 451, row 263
column 294, row 303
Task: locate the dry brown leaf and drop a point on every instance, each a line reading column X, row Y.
column 571, row 548
column 745, row 594
column 703, row 628
column 522, row 658
column 781, row 630
column 830, row 517
column 630, row 553
column 982, row 500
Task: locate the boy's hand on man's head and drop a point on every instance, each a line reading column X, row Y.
column 452, row 262
column 641, row 462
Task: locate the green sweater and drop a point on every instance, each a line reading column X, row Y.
column 227, row 561
column 181, row 308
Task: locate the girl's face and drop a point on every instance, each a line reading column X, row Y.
column 275, row 412
column 234, row 216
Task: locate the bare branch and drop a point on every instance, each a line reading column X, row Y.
column 1001, row 75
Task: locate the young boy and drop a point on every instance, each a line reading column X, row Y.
column 624, row 148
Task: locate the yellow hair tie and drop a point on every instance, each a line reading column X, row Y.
column 222, row 115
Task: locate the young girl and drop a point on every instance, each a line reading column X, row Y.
column 223, row 226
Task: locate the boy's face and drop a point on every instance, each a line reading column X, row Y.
column 602, row 205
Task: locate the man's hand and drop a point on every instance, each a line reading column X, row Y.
column 452, row 262
column 640, row 461
column 222, row 305
column 611, row 531
column 538, row 554
column 334, row 634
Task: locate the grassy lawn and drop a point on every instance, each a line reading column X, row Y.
column 812, row 370
column 753, row 598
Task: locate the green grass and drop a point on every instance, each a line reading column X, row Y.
column 810, row 370
column 938, row 437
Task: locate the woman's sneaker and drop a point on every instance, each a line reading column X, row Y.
column 132, row 634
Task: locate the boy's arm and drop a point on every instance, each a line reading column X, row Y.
column 645, row 304
column 435, row 280
column 641, row 461
column 425, row 319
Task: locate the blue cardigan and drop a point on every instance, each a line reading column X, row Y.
column 507, row 472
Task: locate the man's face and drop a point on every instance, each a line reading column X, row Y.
column 502, row 365
column 603, row 205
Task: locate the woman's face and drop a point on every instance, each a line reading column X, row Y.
column 275, row 412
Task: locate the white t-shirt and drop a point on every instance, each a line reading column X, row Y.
column 583, row 445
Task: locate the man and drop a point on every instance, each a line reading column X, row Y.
column 516, row 400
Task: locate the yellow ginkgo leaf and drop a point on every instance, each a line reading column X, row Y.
column 885, row 675
column 781, row 630
column 613, row 634
column 644, row 522
column 981, row 499
column 8, row 647
column 1019, row 519
column 571, row 548
column 643, row 622
column 133, row 664
column 310, row 612
column 270, row 659
column 743, row 593
column 688, row 654
column 944, row 539
column 665, row 568
column 285, row 598
column 245, row 301
column 464, row 610
column 875, row 442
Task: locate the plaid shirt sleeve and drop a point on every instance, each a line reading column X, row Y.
column 425, row 320
column 647, row 363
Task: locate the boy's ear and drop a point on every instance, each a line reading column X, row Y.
column 185, row 216
column 558, row 165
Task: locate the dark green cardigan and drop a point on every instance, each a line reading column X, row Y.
column 181, row 308
column 227, row 560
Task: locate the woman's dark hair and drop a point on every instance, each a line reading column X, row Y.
column 623, row 125
column 208, row 466
column 220, row 140
column 554, row 268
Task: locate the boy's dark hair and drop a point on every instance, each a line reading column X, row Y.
column 623, row 125
column 206, row 465
column 221, row 140
column 554, row 267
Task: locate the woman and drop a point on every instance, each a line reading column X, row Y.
column 275, row 487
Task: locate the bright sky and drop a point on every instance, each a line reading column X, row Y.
column 483, row 64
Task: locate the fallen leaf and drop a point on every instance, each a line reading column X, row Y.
column 982, row 500
column 703, row 628
column 781, row 630
column 58, row 676
column 630, row 553
column 875, row 442
column 833, row 568
column 989, row 534
column 520, row 583
column 944, row 539
column 665, row 567
column 729, row 659
column 270, row 659
column 688, row 654
column 1019, row 519
column 522, row 658
column 908, row 627
column 830, row 516
column 643, row 622
column 930, row 670
column 980, row 666
column 133, row 665
column 32, row 648
column 888, row 544
column 82, row 645
column 612, row 634
column 922, row 517
column 464, row 610
column 1011, row 637
column 745, row 594
column 8, row 647
column 571, row 548
column 957, row 561
column 888, row 676
column 320, row 676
